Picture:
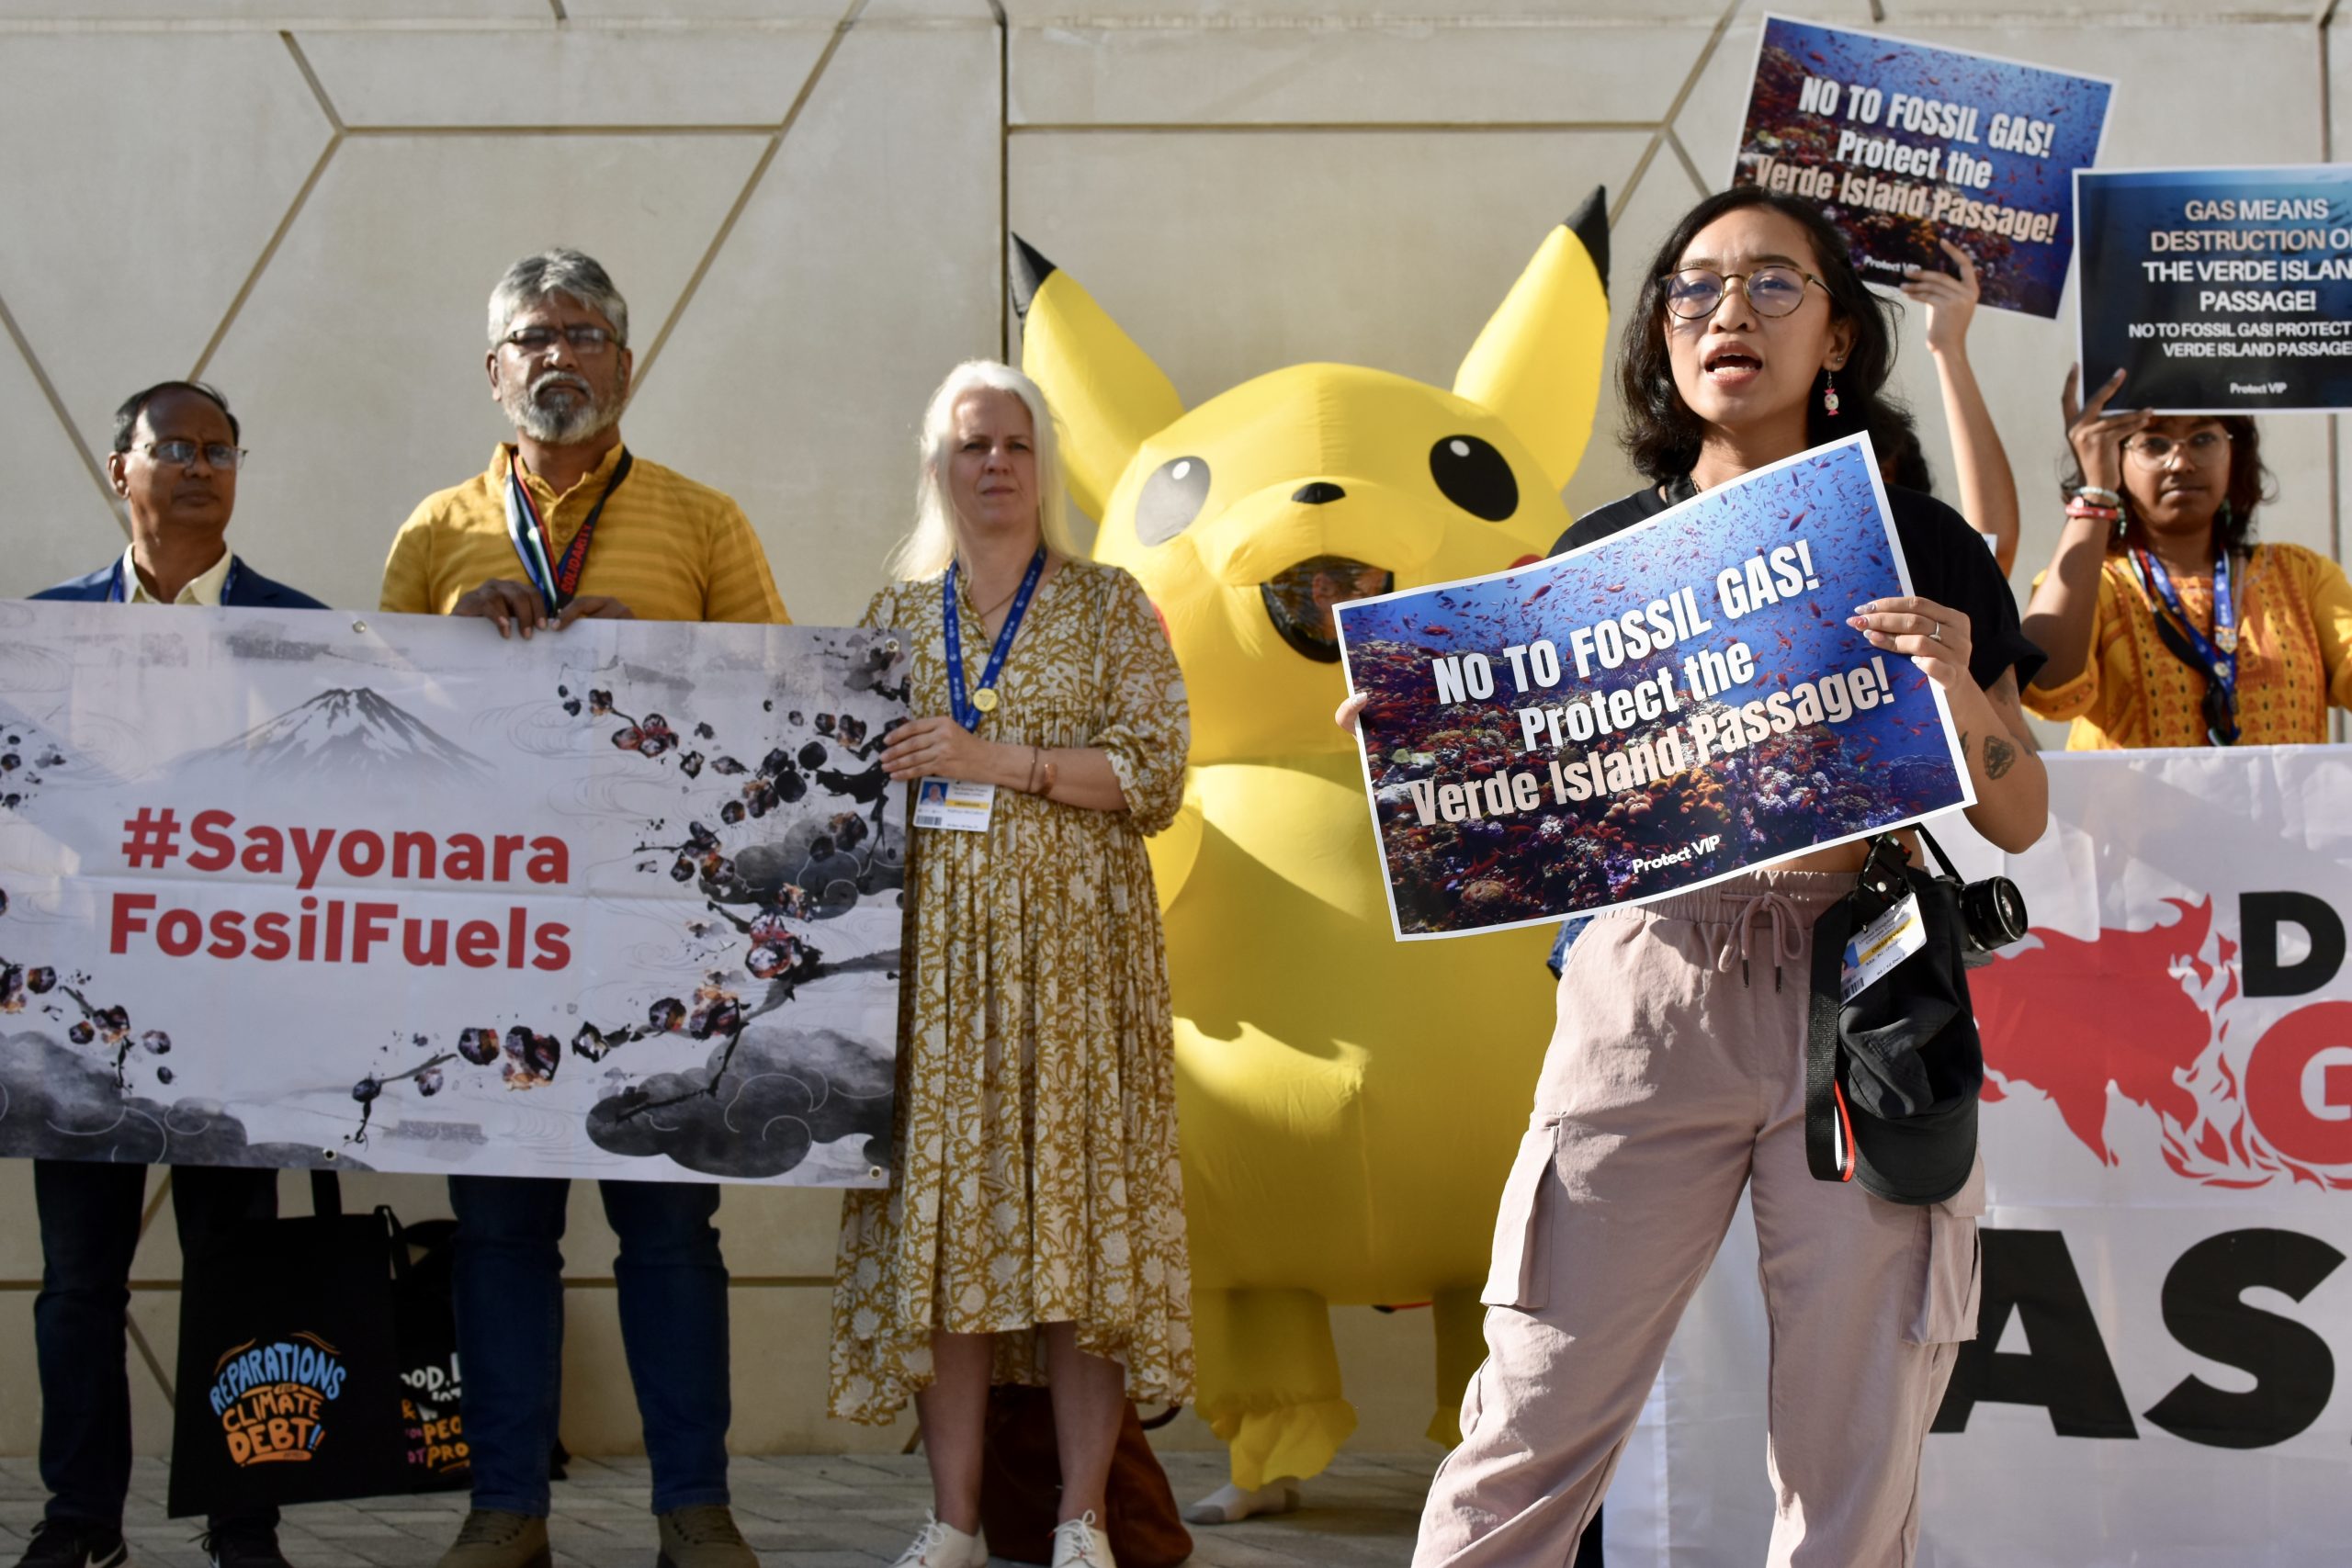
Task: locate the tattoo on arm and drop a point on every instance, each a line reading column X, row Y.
column 1999, row 756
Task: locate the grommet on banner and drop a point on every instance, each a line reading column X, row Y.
column 359, row 626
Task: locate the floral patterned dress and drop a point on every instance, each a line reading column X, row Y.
column 1034, row 1174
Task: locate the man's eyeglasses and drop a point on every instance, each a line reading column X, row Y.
column 583, row 339
column 1696, row 292
column 2156, row 451
column 219, row 454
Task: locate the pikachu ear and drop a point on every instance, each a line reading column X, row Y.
column 1108, row 395
column 1538, row 363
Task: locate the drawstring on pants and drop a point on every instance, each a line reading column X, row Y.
column 1788, row 929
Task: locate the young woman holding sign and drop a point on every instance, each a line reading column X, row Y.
column 2165, row 624
column 1033, row 1228
column 1675, row 1076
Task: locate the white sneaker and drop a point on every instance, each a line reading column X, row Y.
column 1077, row 1544
column 943, row 1546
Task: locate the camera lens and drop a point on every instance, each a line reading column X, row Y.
column 1994, row 912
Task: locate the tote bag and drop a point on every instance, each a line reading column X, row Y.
column 289, row 1371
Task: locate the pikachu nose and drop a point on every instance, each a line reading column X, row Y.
column 1322, row 492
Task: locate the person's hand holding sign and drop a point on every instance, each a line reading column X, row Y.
column 1950, row 299
column 2096, row 438
column 1348, row 712
column 1933, row 636
column 510, row 604
column 1988, row 490
column 941, row 748
column 1993, row 731
column 2064, row 615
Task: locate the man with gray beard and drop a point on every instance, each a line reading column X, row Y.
column 512, row 547
column 567, row 521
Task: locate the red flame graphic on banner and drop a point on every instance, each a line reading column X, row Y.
column 2144, row 1013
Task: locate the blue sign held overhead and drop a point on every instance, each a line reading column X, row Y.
column 1903, row 146
column 2219, row 290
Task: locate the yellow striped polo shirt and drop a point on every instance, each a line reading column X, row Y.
column 667, row 548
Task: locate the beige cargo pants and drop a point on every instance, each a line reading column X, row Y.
column 1675, row 1075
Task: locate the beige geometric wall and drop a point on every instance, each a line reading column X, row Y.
column 806, row 202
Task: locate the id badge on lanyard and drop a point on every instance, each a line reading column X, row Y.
column 959, row 805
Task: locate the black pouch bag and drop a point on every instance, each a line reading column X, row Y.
column 1892, row 1077
column 289, row 1372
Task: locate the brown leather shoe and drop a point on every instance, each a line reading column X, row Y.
column 703, row 1536
column 490, row 1538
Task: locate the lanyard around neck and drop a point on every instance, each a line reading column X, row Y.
column 969, row 709
column 2217, row 654
column 558, row 580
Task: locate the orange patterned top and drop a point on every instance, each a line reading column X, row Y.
column 2294, row 659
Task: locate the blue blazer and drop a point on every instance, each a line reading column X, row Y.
column 248, row 588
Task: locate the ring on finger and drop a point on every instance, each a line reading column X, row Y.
column 1937, row 634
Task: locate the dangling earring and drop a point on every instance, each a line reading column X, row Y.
column 1830, row 391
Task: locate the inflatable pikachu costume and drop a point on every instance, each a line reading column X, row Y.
column 1350, row 1104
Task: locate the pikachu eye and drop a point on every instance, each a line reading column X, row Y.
column 1475, row 477
column 1171, row 499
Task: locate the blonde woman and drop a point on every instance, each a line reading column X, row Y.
column 1034, row 1230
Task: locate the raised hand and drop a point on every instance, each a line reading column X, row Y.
column 2099, row 440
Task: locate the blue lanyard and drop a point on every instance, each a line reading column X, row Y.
column 2220, row 652
column 118, row 591
column 557, row 580
column 970, row 709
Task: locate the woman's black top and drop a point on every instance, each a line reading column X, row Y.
column 1949, row 561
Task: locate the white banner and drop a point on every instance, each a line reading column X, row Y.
column 2168, row 1138
column 301, row 888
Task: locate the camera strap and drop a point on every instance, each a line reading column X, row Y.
column 1828, row 1127
column 1884, row 881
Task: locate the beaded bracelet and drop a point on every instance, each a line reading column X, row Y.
column 2098, row 495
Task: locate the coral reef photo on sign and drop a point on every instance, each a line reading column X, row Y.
column 1656, row 712
column 1903, row 144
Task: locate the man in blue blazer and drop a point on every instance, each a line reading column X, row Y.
column 175, row 464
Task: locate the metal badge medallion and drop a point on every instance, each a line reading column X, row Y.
column 985, row 699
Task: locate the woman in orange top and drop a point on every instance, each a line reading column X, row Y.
column 2159, row 534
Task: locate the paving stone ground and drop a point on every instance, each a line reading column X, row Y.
column 798, row 1511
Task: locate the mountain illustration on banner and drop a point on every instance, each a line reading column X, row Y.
column 345, row 737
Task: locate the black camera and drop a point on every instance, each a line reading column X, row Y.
column 1992, row 912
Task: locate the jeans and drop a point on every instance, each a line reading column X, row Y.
column 89, row 1229
column 1570, row 929
column 509, row 1291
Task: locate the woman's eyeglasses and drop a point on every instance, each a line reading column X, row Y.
column 2156, row 451
column 1698, row 291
